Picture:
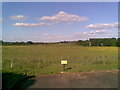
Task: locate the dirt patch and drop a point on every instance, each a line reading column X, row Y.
column 94, row 79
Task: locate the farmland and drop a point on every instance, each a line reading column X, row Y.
column 45, row 58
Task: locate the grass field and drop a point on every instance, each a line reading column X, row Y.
column 45, row 59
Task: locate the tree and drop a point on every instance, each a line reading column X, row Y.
column 29, row 42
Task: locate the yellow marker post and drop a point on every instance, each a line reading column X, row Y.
column 64, row 62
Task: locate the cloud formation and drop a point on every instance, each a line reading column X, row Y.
column 99, row 32
column 19, row 17
column 102, row 26
column 77, row 36
column 91, row 33
column 45, row 34
column 53, row 36
column 31, row 24
column 63, row 17
column 80, row 35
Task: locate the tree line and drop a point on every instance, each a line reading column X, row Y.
column 100, row 42
column 90, row 42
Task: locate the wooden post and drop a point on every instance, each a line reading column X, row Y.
column 63, row 67
column 11, row 63
column 38, row 64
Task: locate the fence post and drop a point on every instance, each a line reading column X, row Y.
column 11, row 64
column 38, row 64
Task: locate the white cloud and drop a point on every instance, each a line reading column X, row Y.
column 53, row 36
column 19, row 17
column 31, row 24
column 45, row 34
column 99, row 32
column 77, row 36
column 63, row 17
column 83, row 35
column 80, row 33
column 56, row 36
column 102, row 26
column 60, row 36
column 91, row 33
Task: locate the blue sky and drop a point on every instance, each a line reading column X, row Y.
column 60, row 0
column 49, row 21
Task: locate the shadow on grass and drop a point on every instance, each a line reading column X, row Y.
column 69, row 68
column 13, row 81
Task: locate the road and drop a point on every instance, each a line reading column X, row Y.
column 93, row 79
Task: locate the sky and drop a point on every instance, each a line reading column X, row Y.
column 58, row 21
column 59, row 0
column 0, row 21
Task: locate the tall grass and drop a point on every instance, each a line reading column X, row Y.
column 45, row 59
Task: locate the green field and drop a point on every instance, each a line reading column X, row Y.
column 45, row 58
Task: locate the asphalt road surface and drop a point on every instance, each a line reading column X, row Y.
column 93, row 79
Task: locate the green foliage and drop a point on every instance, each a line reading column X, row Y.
column 118, row 42
column 104, row 42
column 83, row 43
